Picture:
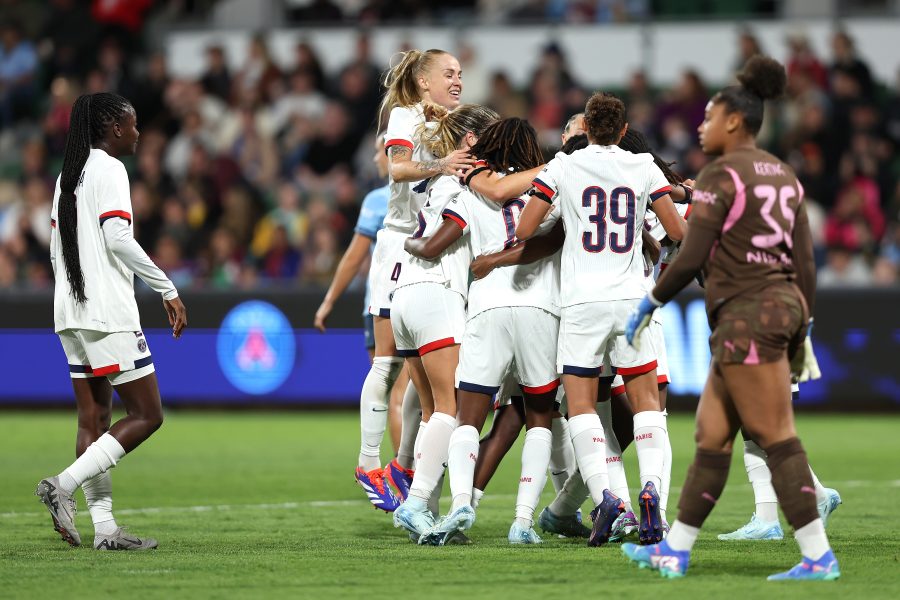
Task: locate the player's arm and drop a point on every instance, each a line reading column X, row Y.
column 651, row 246
column 431, row 247
column 683, row 192
column 346, row 270
column 672, row 222
column 804, row 261
column 522, row 253
column 536, row 209
column 404, row 168
column 496, row 188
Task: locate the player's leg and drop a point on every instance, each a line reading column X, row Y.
column 395, row 409
column 617, row 412
column 562, row 455
column 401, row 470
column 509, row 419
column 539, row 406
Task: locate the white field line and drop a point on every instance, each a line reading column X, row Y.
column 155, row 510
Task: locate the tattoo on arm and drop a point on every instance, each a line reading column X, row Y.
column 399, row 153
column 432, row 166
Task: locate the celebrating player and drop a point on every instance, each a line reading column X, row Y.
column 96, row 315
column 420, row 78
column 750, row 234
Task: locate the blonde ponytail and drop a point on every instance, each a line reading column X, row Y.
column 451, row 128
column 401, row 87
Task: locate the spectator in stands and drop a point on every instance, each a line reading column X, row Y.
column 18, row 70
column 803, row 61
column 848, row 63
column 282, row 260
column 856, row 222
column 258, row 72
column 216, row 79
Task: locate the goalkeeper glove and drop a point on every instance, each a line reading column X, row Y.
column 640, row 319
column 804, row 366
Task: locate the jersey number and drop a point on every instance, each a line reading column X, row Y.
column 594, row 198
column 395, row 274
column 509, row 219
column 768, row 194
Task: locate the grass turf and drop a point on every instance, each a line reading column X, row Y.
column 259, row 504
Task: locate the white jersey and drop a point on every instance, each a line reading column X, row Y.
column 406, row 198
column 451, row 268
column 602, row 193
column 102, row 193
column 667, row 253
column 492, row 227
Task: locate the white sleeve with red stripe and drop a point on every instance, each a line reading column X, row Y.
column 114, row 194
column 548, row 180
column 401, row 127
column 459, row 211
column 659, row 186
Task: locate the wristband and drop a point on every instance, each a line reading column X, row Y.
column 474, row 173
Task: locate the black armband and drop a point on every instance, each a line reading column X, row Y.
column 539, row 194
column 474, row 173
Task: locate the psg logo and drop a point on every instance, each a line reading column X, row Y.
column 142, row 345
column 256, row 347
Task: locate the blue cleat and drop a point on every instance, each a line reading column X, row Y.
column 414, row 516
column 519, row 535
column 379, row 494
column 449, row 527
column 650, row 529
column 399, row 477
column 829, row 504
column 659, row 557
column 624, row 526
column 824, row 569
column 756, row 529
column 603, row 516
column 568, row 526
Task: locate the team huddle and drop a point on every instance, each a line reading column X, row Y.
column 501, row 282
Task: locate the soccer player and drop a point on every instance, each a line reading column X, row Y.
column 95, row 257
column 429, row 315
column 370, row 222
column 420, row 78
column 750, row 234
column 602, row 193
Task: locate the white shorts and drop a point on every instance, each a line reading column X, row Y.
column 519, row 340
column 387, row 260
column 427, row 316
column 121, row 357
column 662, row 361
column 592, row 341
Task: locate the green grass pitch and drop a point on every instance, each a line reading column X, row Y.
column 264, row 505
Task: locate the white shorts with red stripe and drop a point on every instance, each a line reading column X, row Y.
column 427, row 316
column 662, row 360
column 592, row 341
column 121, row 357
column 387, row 260
column 515, row 340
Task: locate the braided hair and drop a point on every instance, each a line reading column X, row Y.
column 635, row 142
column 509, row 145
column 92, row 115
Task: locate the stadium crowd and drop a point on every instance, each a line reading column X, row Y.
column 253, row 176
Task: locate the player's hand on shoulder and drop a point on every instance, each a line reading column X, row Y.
column 177, row 313
column 456, row 162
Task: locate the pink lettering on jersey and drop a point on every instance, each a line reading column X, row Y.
column 704, row 197
column 740, row 200
column 768, row 169
column 761, row 256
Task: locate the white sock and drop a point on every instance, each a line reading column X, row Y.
column 99, row 457
column 373, row 408
column 417, row 445
column 812, row 540
column 682, row 537
column 821, row 495
column 463, row 454
column 757, row 466
column 477, row 495
column 618, row 482
column 535, row 459
column 666, row 472
column 434, row 501
column 411, row 416
column 98, row 496
column 590, row 453
column 562, row 455
column 433, row 454
column 649, row 440
column 569, row 499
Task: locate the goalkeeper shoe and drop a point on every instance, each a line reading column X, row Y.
column 567, row 526
column 414, row 516
column 659, row 557
column 379, row 494
column 829, row 504
column 399, row 477
column 603, row 516
column 824, row 569
column 61, row 505
column 624, row 526
column 450, row 526
column 650, row 526
column 121, row 540
column 756, row 529
column 520, row 535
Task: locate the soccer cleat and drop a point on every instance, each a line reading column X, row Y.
column 121, row 540
column 567, row 526
column 399, row 477
column 414, row 516
column 625, row 525
column 829, row 504
column 520, row 535
column 756, row 529
column 824, row 569
column 61, row 505
column 603, row 516
column 379, row 494
column 449, row 527
column 650, row 526
column 659, row 557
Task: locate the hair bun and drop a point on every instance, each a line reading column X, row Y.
column 763, row 76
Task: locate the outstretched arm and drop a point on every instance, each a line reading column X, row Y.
column 346, row 270
column 500, row 189
column 672, row 222
column 431, row 247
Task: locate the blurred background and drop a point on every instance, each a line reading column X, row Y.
column 257, row 124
